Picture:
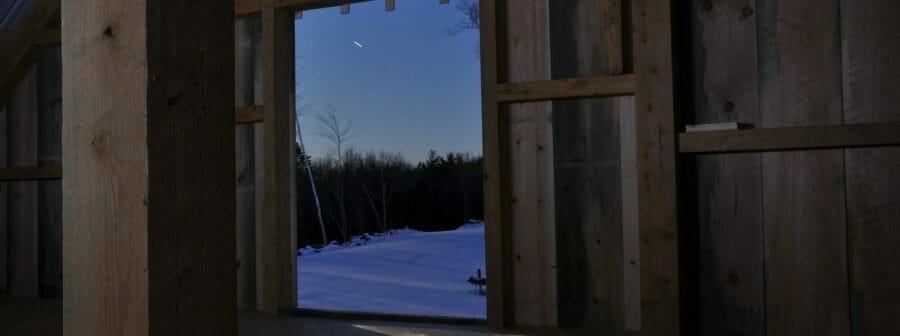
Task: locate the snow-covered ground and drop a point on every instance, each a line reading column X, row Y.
column 405, row 272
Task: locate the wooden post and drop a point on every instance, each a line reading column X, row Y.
column 495, row 125
column 276, row 235
column 247, row 47
column 149, row 193
column 655, row 166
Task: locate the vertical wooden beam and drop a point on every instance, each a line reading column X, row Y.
column 247, row 50
column 23, row 196
column 148, row 198
column 724, row 230
column 276, row 243
column 804, row 211
column 495, row 125
column 49, row 147
column 531, row 169
column 871, row 69
column 656, row 153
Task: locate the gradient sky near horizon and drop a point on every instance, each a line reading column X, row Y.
column 406, row 85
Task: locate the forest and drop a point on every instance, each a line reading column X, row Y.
column 371, row 192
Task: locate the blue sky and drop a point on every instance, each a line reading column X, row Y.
column 409, row 88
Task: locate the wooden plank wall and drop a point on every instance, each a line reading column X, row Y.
column 22, row 217
column 247, row 93
column 590, row 39
column 49, row 153
column 531, row 170
column 30, row 211
column 725, row 222
column 871, row 91
column 798, row 242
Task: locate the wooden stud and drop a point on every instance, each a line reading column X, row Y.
column 656, row 153
column 31, row 173
column 276, row 242
column 871, row 91
column 602, row 86
column 149, row 204
column 791, row 138
column 247, row 50
column 495, row 123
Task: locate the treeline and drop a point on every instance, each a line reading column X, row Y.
column 375, row 192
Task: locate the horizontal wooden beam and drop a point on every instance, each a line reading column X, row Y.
column 791, row 138
column 249, row 7
column 248, row 114
column 31, row 173
column 603, row 86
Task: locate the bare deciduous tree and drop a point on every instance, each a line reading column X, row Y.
column 336, row 129
column 470, row 9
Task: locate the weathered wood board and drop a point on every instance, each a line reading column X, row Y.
column 247, row 68
column 589, row 38
column 531, row 170
column 723, row 214
column 22, row 208
column 803, row 192
column 871, row 92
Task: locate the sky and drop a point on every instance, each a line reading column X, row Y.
column 404, row 82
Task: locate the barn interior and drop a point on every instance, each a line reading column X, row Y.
column 651, row 167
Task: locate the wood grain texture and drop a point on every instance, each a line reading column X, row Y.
column 546, row 90
column 22, row 218
column 49, row 147
column 531, row 169
column 726, row 286
column 655, row 166
column 886, row 134
column 496, row 135
column 276, row 265
column 803, row 192
column 588, row 42
column 149, row 202
column 871, row 70
column 247, row 51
